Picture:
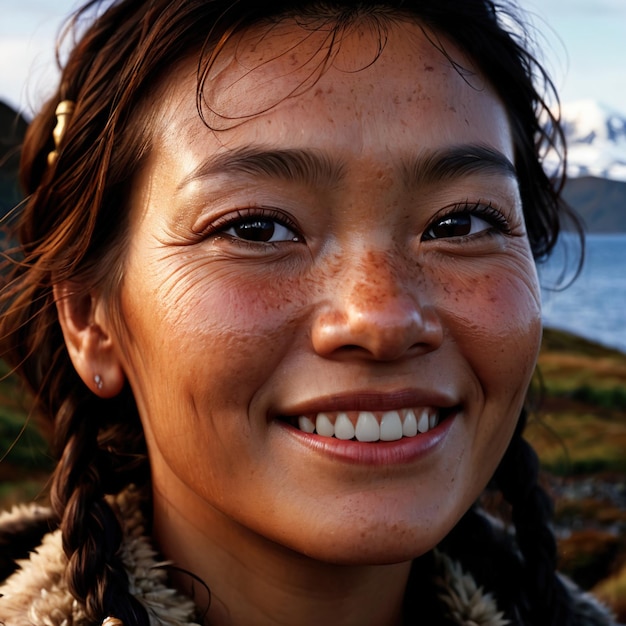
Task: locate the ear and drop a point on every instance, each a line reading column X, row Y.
column 89, row 340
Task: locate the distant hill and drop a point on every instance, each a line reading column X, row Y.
column 596, row 140
column 599, row 201
column 596, row 164
column 12, row 129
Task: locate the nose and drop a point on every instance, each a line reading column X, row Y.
column 375, row 310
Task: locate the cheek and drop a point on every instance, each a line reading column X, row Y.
column 207, row 330
column 494, row 316
column 204, row 343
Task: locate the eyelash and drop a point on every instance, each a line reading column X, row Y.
column 485, row 211
column 220, row 226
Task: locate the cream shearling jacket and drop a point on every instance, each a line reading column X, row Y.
column 36, row 594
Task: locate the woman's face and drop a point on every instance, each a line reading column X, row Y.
column 353, row 259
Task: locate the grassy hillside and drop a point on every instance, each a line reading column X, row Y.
column 578, row 428
column 579, row 432
column 24, row 458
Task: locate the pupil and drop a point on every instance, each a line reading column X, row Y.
column 453, row 226
column 257, row 230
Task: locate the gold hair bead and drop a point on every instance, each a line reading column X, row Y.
column 64, row 112
column 112, row 621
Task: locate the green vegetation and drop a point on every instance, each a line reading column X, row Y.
column 24, row 458
column 580, row 425
column 579, row 432
column 573, row 442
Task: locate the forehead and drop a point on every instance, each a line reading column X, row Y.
column 272, row 64
column 374, row 84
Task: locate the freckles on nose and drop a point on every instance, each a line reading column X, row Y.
column 375, row 306
column 377, row 277
column 382, row 304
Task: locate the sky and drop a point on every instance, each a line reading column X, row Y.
column 583, row 44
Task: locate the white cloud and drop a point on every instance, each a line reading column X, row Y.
column 28, row 32
column 27, row 72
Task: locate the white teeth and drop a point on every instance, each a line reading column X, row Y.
column 306, row 425
column 390, row 426
column 409, row 426
column 393, row 425
column 367, row 428
column 344, row 428
column 422, row 422
column 324, row 426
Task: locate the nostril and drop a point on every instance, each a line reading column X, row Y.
column 396, row 323
column 401, row 329
column 350, row 348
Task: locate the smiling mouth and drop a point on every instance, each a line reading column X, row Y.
column 372, row 426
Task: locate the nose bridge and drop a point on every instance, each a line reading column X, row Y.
column 376, row 282
column 377, row 303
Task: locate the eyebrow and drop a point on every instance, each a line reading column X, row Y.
column 457, row 162
column 318, row 168
column 298, row 165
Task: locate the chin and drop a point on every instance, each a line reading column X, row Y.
column 384, row 544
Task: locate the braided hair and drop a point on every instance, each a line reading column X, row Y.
column 70, row 226
column 73, row 223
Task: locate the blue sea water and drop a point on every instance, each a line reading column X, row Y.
column 594, row 305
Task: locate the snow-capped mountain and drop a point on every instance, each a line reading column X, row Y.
column 596, row 164
column 596, row 140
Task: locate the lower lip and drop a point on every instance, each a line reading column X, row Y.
column 400, row 452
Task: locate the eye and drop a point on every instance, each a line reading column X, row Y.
column 456, row 225
column 259, row 227
column 466, row 221
column 262, row 230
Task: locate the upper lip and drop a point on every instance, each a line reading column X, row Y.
column 368, row 400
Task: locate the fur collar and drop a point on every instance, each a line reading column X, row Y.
column 36, row 593
column 467, row 604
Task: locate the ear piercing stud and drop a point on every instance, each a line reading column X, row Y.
column 98, row 380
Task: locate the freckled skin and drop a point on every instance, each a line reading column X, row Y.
column 225, row 337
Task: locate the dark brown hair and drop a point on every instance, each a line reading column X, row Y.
column 73, row 223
